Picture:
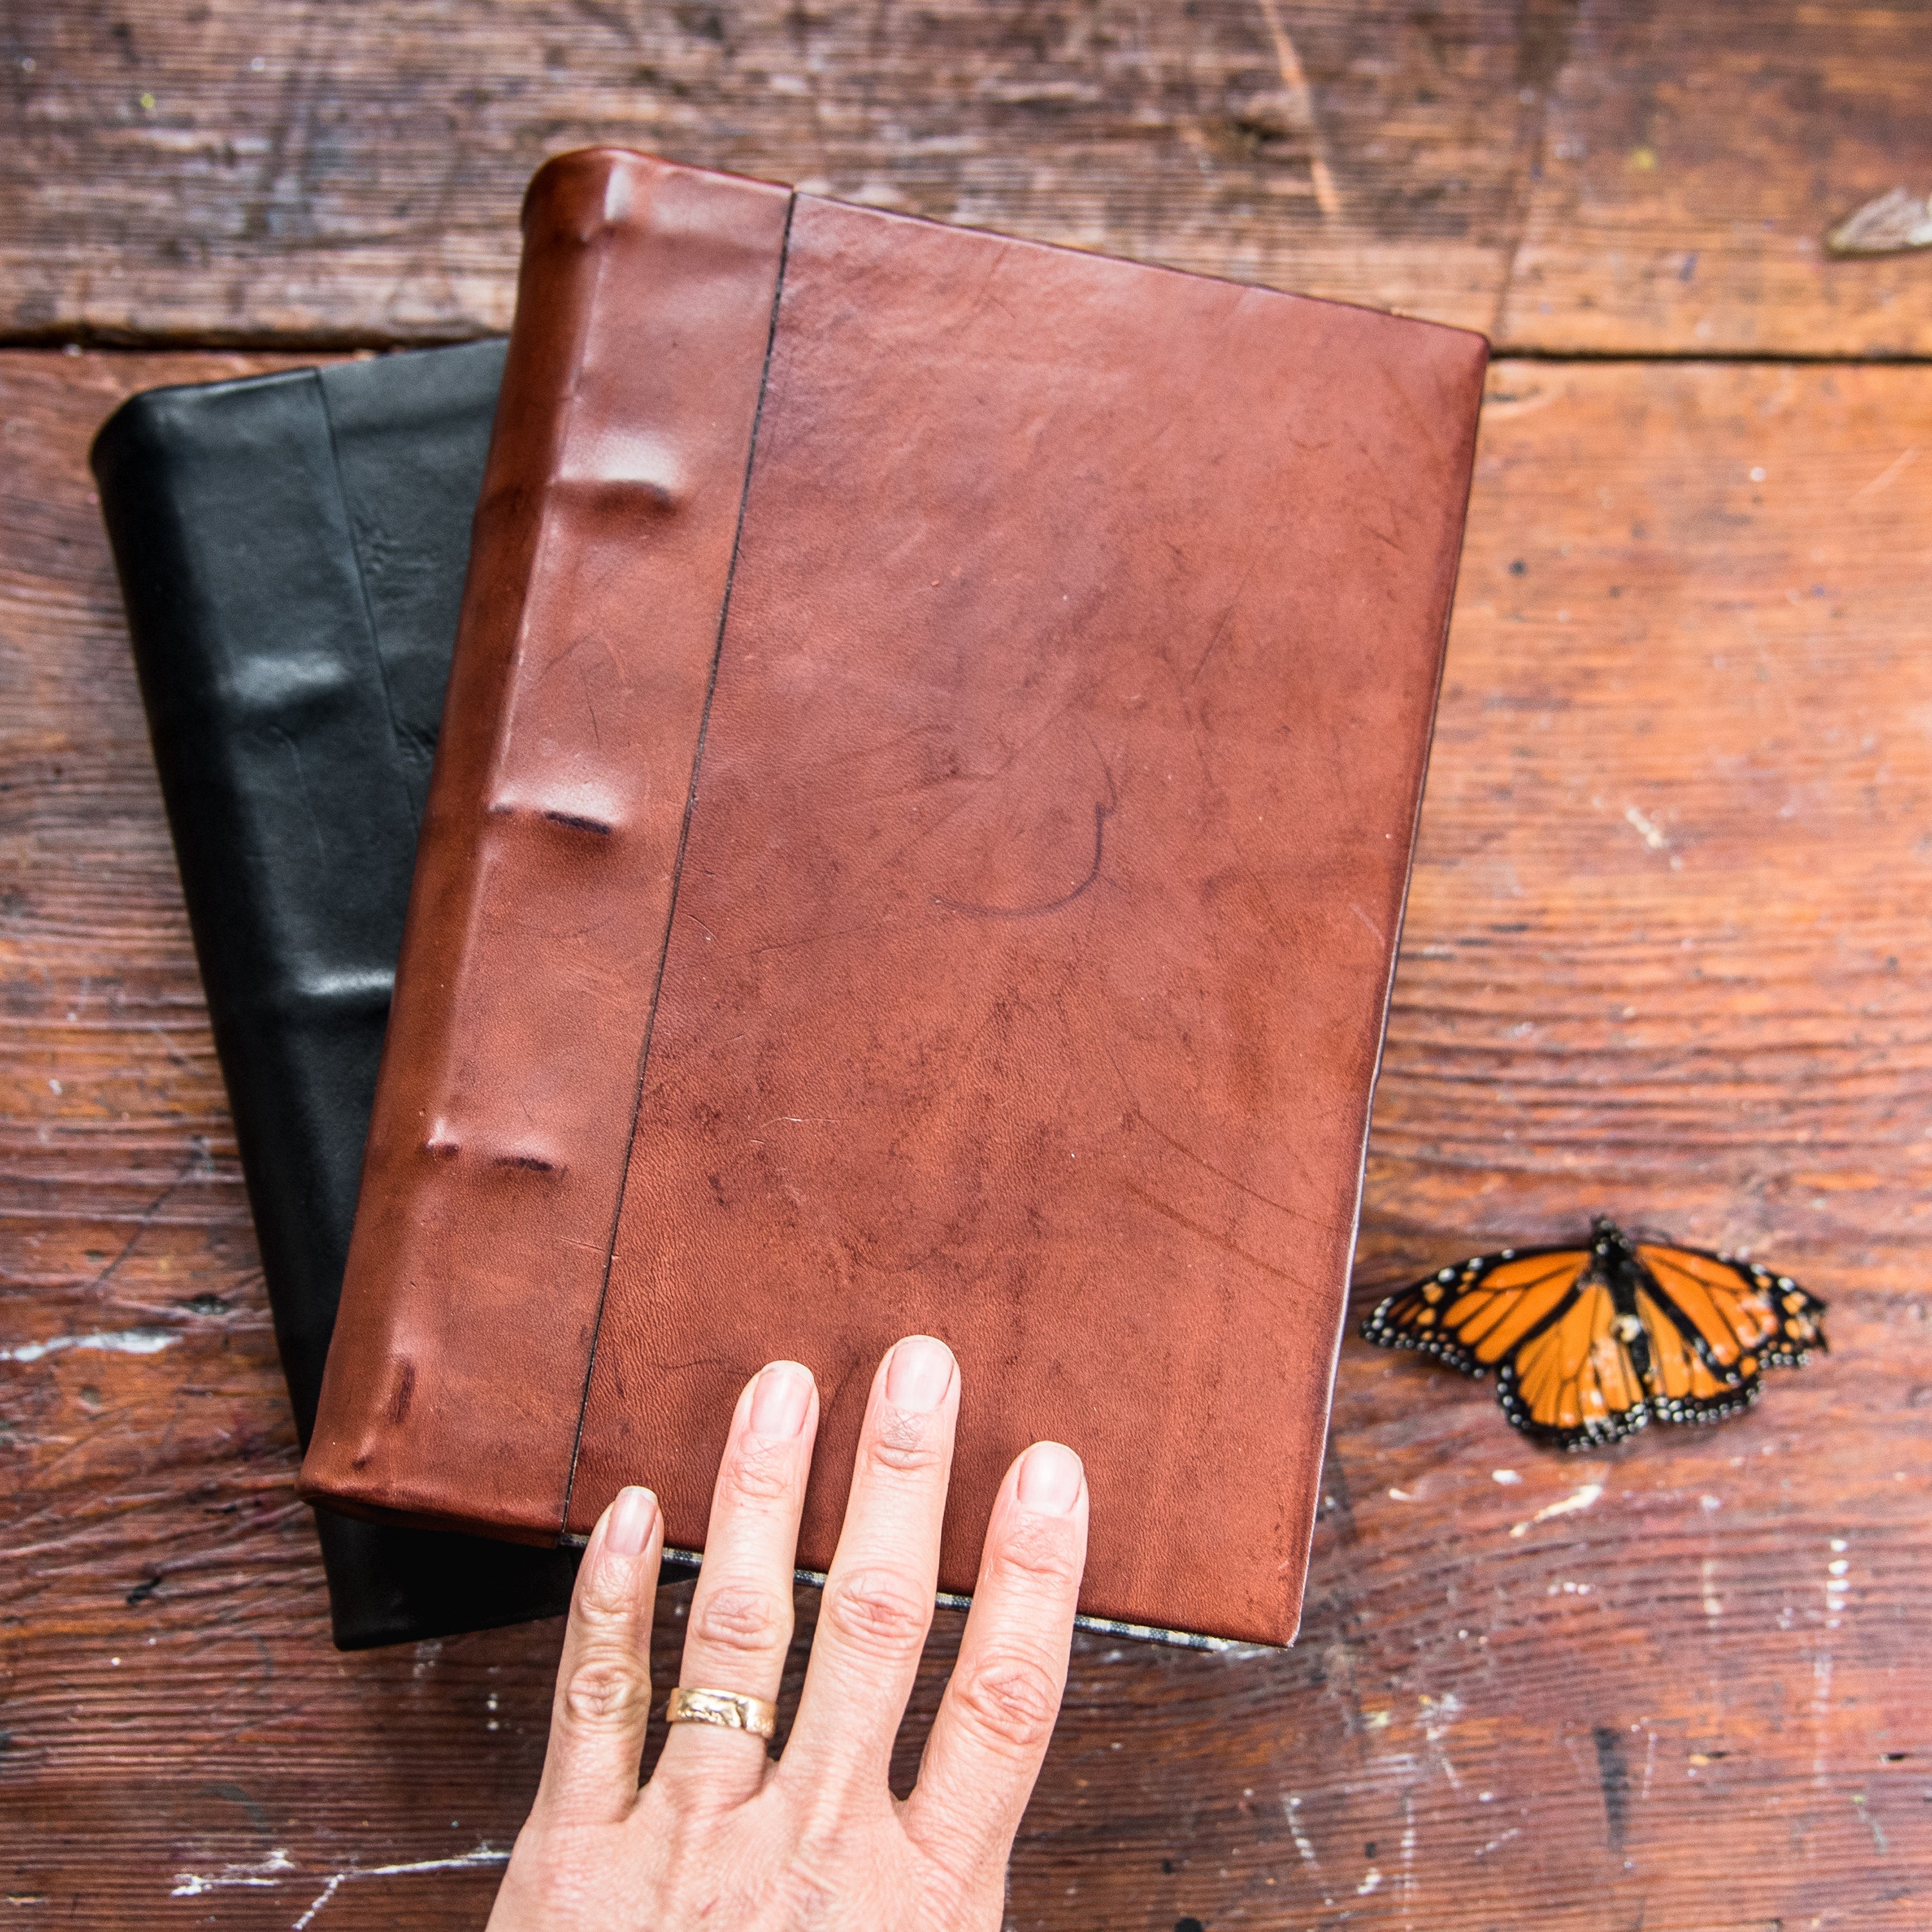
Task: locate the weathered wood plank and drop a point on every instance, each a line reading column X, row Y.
column 1666, row 956
column 1572, row 174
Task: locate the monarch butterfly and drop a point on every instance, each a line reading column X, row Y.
column 1590, row 1343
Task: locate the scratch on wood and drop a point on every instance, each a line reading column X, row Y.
column 1303, row 107
column 1902, row 462
column 1542, row 53
column 1871, row 1824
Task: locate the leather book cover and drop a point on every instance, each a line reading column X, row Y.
column 291, row 551
column 918, row 842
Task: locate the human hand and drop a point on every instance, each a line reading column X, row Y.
column 724, row 1836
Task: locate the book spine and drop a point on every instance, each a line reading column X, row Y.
column 546, row 869
column 261, row 687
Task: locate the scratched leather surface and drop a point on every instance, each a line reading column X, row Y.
column 292, row 550
column 1030, row 949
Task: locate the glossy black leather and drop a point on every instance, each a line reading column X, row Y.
column 291, row 551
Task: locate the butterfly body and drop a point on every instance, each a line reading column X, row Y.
column 1593, row 1341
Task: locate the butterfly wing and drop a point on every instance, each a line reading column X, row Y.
column 1715, row 1324
column 1471, row 1317
column 1578, row 1381
column 1685, row 1385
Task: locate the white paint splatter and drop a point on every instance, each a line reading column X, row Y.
column 1821, row 1712
column 1291, row 1806
column 1438, row 1716
column 1505, row 1476
column 327, row 1894
column 483, row 1855
column 122, row 1342
column 1483, row 1852
column 1407, row 1858
column 1714, row 1605
column 1837, row 1587
column 267, row 1872
column 1648, row 828
column 1369, row 1883
column 271, row 1871
column 1579, row 1499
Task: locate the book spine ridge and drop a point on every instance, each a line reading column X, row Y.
column 497, row 1151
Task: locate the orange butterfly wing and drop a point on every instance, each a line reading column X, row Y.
column 1575, row 1383
column 1470, row 1317
column 1745, row 1315
column 1714, row 1325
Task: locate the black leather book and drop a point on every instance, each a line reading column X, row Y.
column 291, row 551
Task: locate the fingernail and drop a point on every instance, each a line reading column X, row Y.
column 1049, row 1479
column 633, row 1515
column 920, row 1372
column 779, row 1400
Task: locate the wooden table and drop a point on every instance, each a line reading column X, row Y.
column 1667, row 952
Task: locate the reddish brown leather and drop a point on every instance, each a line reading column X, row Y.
column 1031, row 944
column 543, row 880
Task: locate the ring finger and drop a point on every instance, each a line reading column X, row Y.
column 741, row 1612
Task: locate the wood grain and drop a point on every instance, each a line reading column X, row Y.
column 1666, row 956
column 1575, row 176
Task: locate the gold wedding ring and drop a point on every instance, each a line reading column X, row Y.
column 727, row 1709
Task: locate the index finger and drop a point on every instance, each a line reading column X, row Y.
column 603, row 1699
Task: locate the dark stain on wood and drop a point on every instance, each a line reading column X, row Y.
column 1613, row 1776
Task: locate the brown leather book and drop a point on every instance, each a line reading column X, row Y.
column 917, row 843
